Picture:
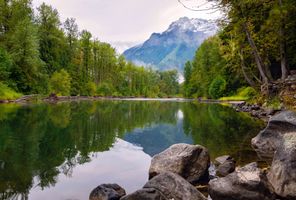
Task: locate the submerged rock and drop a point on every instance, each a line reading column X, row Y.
column 282, row 174
column 268, row 140
column 166, row 186
column 189, row 161
column 107, row 192
column 247, row 183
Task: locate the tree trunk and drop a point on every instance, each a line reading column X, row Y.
column 258, row 59
column 284, row 67
column 250, row 81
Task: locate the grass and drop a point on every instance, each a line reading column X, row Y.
column 243, row 94
column 7, row 93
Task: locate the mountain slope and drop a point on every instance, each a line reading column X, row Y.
column 172, row 48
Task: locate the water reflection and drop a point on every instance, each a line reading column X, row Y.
column 67, row 149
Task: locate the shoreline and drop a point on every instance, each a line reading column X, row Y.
column 52, row 99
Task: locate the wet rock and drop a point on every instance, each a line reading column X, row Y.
column 107, row 192
column 189, row 161
column 166, row 186
column 267, row 141
column 247, row 183
column 282, row 174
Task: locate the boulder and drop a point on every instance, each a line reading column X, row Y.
column 247, row 183
column 267, row 141
column 282, row 174
column 189, row 161
column 166, row 186
column 145, row 194
column 107, row 192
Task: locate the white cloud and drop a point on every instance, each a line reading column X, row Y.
column 117, row 21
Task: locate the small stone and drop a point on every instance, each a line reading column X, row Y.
column 226, row 168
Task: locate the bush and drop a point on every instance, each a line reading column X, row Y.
column 60, row 83
column 7, row 93
column 217, row 87
column 90, row 89
column 105, row 89
column 242, row 94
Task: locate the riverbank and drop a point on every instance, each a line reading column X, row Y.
column 54, row 98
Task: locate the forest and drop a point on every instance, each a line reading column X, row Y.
column 39, row 54
column 254, row 50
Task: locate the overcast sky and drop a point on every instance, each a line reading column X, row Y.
column 124, row 23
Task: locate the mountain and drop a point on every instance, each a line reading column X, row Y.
column 172, row 48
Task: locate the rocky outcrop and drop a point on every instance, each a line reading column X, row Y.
column 189, row 161
column 282, row 174
column 247, row 183
column 268, row 140
column 166, row 186
column 278, row 141
column 107, row 192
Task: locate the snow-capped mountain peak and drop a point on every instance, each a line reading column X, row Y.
column 194, row 25
column 173, row 47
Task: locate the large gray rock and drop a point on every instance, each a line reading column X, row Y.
column 247, row 183
column 166, row 186
column 189, row 161
column 145, row 194
column 107, row 192
column 282, row 174
column 268, row 140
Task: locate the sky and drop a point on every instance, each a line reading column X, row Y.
column 125, row 23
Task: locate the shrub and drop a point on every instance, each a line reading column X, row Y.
column 60, row 83
column 105, row 89
column 7, row 93
column 90, row 89
column 217, row 87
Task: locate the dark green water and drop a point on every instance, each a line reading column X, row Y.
column 63, row 151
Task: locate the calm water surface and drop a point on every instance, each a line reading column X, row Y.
column 65, row 150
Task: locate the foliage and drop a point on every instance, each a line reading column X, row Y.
column 217, row 87
column 7, row 93
column 60, row 83
column 90, row 89
column 243, row 94
column 35, row 48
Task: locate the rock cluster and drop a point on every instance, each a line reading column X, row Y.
column 278, row 140
column 173, row 171
column 255, row 110
column 189, row 161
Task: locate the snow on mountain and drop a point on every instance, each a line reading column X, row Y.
column 172, row 48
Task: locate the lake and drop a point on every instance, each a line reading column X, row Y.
column 62, row 151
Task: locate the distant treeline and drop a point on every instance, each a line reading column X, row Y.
column 40, row 54
column 255, row 47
